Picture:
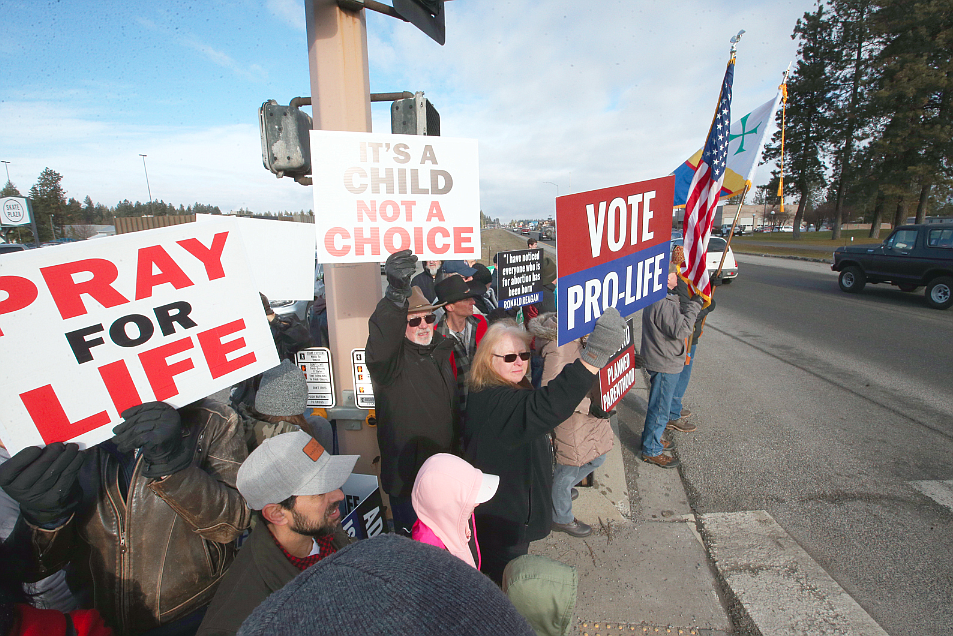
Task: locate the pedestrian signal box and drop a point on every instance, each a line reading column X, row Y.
column 414, row 116
column 426, row 15
column 285, row 139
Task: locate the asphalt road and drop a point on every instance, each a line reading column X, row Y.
column 821, row 408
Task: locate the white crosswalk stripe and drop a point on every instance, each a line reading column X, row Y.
column 939, row 491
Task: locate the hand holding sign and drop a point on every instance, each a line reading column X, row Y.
column 606, row 338
column 156, row 428
column 400, row 266
column 43, row 481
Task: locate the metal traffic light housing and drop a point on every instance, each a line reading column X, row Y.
column 414, row 116
column 285, row 139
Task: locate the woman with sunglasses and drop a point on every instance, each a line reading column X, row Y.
column 506, row 432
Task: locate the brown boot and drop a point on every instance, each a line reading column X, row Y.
column 667, row 445
column 681, row 426
column 662, row 460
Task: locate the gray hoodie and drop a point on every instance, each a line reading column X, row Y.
column 665, row 326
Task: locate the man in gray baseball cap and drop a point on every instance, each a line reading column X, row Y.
column 295, row 485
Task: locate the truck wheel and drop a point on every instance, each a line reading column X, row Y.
column 907, row 287
column 852, row 279
column 939, row 293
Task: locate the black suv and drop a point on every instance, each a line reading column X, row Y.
column 912, row 256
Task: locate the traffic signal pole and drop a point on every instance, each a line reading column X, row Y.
column 340, row 100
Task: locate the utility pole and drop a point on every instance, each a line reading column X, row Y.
column 147, row 183
column 340, row 100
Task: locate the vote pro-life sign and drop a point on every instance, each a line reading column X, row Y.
column 376, row 194
column 618, row 255
column 92, row 328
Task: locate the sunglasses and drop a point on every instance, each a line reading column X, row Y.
column 510, row 358
column 415, row 322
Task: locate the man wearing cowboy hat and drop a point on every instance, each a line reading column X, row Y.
column 460, row 326
column 414, row 388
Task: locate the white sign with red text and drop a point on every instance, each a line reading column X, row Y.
column 89, row 329
column 376, row 194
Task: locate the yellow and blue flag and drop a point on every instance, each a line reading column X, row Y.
column 746, row 139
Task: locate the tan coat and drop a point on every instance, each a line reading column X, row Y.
column 582, row 437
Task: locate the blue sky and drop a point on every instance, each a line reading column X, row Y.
column 554, row 91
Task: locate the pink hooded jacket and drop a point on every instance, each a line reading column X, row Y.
column 444, row 497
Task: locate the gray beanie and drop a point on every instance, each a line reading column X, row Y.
column 283, row 391
column 388, row 585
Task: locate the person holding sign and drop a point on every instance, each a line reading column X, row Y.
column 582, row 441
column 414, row 388
column 506, row 432
column 666, row 325
column 147, row 521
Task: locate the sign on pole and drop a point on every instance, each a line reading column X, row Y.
column 14, row 211
column 363, row 388
column 376, row 194
column 316, row 364
column 617, row 377
column 619, row 253
column 90, row 329
column 519, row 278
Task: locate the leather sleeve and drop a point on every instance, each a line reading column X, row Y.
column 204, row 494
column 51, row 549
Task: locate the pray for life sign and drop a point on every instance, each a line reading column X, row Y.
column 376, row 194
column 619, row 252
column 90, row 329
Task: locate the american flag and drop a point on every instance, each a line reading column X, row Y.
column 704, row 190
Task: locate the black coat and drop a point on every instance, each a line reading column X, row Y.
column 415, row 396
column 506, row 433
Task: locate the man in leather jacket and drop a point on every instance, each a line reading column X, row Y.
column 146, row 521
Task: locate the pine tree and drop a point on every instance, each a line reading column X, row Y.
column 49, row 202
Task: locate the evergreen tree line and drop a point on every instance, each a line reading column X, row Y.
column 869, row 119
column 55, row 213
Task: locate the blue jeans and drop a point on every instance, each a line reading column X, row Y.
column 660, row 404
column 682, row 386
column 564, row 479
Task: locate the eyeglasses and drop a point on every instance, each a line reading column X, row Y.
column 415, row 322
column 510, row 358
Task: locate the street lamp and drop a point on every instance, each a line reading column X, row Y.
column 147, row 182
column 6, row 164
column 553, row 184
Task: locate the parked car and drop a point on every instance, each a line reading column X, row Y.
column 716, row 247
column 9, row 248
column 913, row 256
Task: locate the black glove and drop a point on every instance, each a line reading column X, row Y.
column 156, row 428
column 715, row 280
column 606, row 339
column 697, row 298
column 43, row 481
column 596, row 411
column 711, row 305
column 638, row 362
column 398, row 268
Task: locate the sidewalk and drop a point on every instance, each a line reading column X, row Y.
column 644, row 569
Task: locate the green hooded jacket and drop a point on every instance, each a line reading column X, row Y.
column 543, row 591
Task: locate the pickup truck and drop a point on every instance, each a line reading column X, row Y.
column 913, row 256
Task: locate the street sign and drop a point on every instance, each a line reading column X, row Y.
column 14, row 211
column 363, row 389
column 618, row 256
column 316, row 364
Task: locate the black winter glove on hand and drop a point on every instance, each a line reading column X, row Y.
column 156, row 428
column 399, row 268
column 638, row 362
column 43, row 481
column 605, row 339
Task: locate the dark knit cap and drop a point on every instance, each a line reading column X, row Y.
column 388, row 585
column 283, row 391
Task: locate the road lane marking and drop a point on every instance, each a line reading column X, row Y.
column 939, row 491
column 782, row 589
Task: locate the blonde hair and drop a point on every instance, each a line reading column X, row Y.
column 482, row 374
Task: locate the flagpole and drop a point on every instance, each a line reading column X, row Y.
column 731, row 233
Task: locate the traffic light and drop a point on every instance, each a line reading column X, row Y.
column 285, row 139
column 426, row 15
column 414, row 116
